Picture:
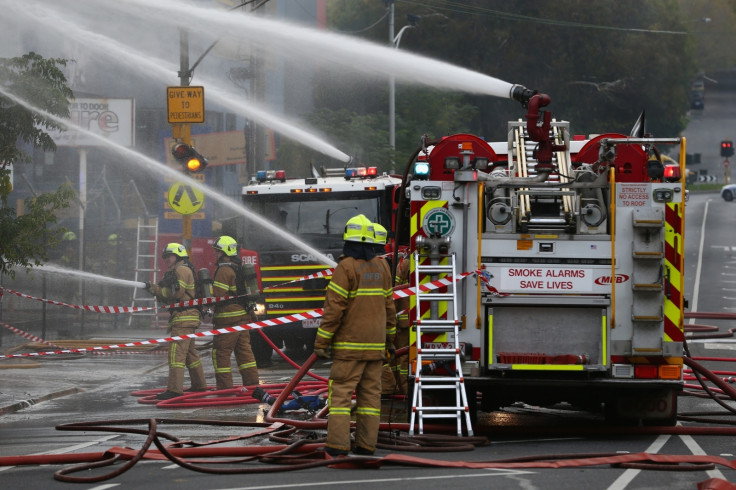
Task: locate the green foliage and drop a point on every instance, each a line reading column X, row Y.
column 601, row 62
column 22, row 240
column 40, row 82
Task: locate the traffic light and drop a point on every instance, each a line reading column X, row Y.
column 726, row 148
column 190, row 160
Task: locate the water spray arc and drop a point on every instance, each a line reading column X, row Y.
column 163, row 71
column 55, row 269
column 298, row 42
column 156, row 168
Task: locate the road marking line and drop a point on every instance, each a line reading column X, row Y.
column 699, row 266
column 698, row 451
column 486, row 474
column 628, row 475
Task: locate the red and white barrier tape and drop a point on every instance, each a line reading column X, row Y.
column 28, row 336
column 124, row 309
column 238, row 328
column 316, row 275
column 33, row 338
column 405, row 291
column 402, row 292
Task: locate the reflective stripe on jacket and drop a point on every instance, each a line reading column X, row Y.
column 359, row 314
column 185, row 280
column 223, row 284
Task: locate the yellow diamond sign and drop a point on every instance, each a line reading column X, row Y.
column 185, row 199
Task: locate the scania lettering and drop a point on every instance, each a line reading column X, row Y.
column 308, row 258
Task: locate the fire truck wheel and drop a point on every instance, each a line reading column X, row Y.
column 472, row 394
column 615, row 417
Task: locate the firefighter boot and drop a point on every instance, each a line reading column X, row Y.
column 250, row 376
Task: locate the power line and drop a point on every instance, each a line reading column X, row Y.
column 459, row 7
column 385, row 14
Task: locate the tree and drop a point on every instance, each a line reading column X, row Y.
column 40, row 82
column 601, row 62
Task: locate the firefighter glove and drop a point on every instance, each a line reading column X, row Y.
column 322, row 353
column 390, row 350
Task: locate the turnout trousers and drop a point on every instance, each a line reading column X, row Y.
column 223, row 347
column 183, row 354
column 395, row 379
column 363, row 377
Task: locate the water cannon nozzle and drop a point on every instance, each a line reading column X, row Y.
column 522, row 94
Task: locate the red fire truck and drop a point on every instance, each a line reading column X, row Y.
column 315, row 210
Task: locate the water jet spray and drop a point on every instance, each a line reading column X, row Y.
column 151, row 165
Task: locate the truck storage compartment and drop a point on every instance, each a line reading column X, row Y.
column 549, row 336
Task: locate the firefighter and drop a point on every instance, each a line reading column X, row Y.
column 396, row 373
column 176, row 286
column 229, row 313
column 380, row 237
column 358, row 326
column 69, row 250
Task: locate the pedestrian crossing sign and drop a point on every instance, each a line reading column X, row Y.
column 185, row 199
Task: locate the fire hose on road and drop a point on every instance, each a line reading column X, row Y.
column 296, row 446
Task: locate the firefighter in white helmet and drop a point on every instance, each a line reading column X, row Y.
column 177, row 286
column 230, row 313
column 357, row 327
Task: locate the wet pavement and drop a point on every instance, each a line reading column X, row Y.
column 30, row 380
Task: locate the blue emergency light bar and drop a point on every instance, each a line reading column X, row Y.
column 266, row 175
column 421, row 170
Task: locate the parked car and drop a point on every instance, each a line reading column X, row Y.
column 728, row 192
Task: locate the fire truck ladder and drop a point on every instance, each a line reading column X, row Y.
column 454, row 383
column 551, row 198
column 146, row 267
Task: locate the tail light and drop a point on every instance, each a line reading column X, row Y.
column 645, row 371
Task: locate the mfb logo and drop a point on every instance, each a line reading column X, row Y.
column 603, row 280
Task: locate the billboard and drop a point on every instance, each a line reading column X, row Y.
column 111, row 119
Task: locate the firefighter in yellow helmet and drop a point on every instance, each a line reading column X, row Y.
column 177, row 286
column 230, row 313
column 358, row 326
column 396, row 375
column 69, row 250
column 396, row 371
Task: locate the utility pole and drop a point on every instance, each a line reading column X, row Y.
column 392, row 91
column 182, row 131
column 394, row 41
